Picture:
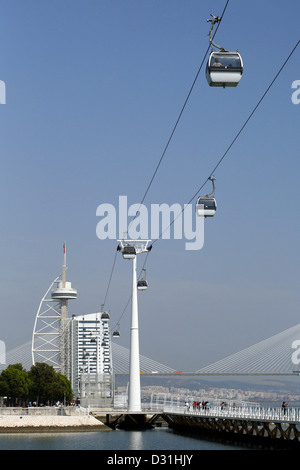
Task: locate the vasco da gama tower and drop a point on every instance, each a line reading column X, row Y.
column 78, row 347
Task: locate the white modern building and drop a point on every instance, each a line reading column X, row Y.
column 91, row 360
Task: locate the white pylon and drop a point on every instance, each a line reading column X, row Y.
column 130, row 249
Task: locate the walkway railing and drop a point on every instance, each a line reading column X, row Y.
column 44, row 411
column 168, row 403
column 241, row 411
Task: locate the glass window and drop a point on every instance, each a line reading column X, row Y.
column 207, row 203
column 226, row 60
column 210, row 204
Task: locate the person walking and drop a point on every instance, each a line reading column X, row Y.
column 284, row 405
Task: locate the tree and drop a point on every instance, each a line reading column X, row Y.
column 41, row 384
column 41, row 377
column 61, row 389
column 47, row 386
column 14, row 384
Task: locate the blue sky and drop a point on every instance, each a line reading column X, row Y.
column 93, row 91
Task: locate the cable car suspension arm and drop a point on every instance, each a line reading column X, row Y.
column 215, row 19
column 212, row 179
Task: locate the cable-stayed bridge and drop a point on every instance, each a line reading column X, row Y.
column 120, row 360
column 277, row 355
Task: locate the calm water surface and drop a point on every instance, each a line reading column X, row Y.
column 155, row 439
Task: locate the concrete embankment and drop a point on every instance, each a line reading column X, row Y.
column 37, row 423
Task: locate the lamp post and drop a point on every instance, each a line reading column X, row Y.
column 130, row 249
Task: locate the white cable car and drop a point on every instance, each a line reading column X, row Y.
column 105, row 316
column 129, row 252
column 116, row 333
column 142, row 284
column 223, row 68
column 206, row 206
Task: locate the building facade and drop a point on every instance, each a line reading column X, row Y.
column 91, row 360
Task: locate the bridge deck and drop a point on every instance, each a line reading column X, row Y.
column 255, row 412
column 264, row 426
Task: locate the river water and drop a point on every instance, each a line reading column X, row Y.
column 162, row 439
column 157, row 439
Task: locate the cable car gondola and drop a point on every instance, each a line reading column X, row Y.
column 116, row 333
column 224, row 68
column 129, row 252
column 105, row 316
column 142, row 284
column 206, row 206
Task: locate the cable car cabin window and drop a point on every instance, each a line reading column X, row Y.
column 207, row 203
column 129, row 250
column 229, row 62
